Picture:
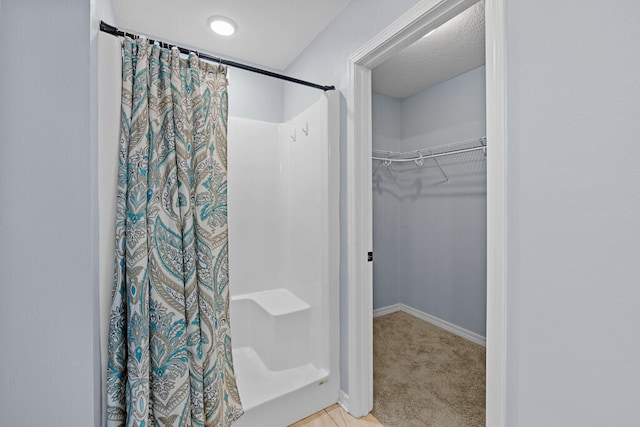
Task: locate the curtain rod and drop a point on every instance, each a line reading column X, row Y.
column 110, row 29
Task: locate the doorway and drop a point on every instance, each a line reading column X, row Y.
column 429, row 228
column 420, row 20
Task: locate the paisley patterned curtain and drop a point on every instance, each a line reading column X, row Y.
column 170, row 358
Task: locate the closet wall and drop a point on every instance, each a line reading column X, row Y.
column 387, row 122
column 430, row 235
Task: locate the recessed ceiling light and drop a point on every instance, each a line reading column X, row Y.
column 222, row 25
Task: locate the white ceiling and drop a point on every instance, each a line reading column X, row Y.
column 271, row 33
column 455, row 47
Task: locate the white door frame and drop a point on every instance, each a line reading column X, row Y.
column 425, row 16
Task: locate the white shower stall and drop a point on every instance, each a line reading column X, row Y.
column 283, row 191
column 283, row 186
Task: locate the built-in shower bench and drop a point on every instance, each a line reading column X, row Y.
column 276, row 302
column 272, row 348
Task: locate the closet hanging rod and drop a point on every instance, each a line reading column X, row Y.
column 110, row 29
column 430, row 156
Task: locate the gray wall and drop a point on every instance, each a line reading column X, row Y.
column 444, row 224
column 325, row 61
column 47, row 217
column 451, row 111
column 573, row 213
column 254, row 96
column 429, row 235
column 387, row 245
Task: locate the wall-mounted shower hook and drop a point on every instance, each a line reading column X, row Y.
column 293, row 137
column 306, row 129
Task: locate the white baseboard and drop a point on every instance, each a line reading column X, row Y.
column 387, row 310
column 443, row 324
column 343, row 400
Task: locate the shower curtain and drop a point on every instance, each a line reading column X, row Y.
column 170, row 360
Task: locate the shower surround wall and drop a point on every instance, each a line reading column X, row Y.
column 283, row 263
column 429, row 236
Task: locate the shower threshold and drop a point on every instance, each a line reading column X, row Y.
column 258, row 384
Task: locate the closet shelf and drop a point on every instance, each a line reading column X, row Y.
column 431, row 152
column 419, row 156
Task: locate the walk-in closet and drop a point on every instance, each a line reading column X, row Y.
column 429, row 228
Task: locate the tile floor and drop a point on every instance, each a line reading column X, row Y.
column 335, row 416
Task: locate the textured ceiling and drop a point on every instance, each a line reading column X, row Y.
column 455, row 47
column 270, row 33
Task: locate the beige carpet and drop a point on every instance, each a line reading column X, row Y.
column 425, row 376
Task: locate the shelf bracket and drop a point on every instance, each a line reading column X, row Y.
column 446, row 178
